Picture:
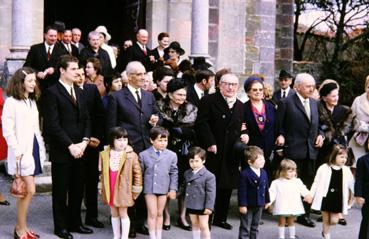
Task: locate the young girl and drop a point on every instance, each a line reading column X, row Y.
column 285, row 192
column 200, row 193
column 121, row 179
column 331, row 188
column 159, row 166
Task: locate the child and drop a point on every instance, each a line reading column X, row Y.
column 331, row 188
column 121, row 179
column 252, row 192
column 159, row 166
column 200, row 193
column 285, row 193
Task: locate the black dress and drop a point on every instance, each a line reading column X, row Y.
column 332, row 202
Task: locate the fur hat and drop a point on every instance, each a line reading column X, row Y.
column 175, row 84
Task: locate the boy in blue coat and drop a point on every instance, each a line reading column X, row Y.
column 252, row 192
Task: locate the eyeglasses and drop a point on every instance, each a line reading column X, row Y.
column 229, row 84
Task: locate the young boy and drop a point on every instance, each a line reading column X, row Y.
column 253, row 192
column 160, row 172
column 200, row 193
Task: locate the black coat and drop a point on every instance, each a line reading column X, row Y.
column 102, row 55
column 135, row 53
column 362, row 178
column 192, row 95
column 218, row 125
column 277, row 95
column 75, row 51
column 64, row 122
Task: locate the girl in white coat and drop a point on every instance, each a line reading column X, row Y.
column 285, row 193
column 331, row 188
column 25, row 144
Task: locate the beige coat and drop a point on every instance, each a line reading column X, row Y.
column 129, row 180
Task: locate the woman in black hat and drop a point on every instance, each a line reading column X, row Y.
column 174, row 51
column 178, row 117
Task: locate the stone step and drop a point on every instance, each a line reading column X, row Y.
column 43, row 184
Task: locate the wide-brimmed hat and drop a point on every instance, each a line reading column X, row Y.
column 200, row 63
column 103, row 30
column 283, row 74
column 59, row 26
column 175, row 46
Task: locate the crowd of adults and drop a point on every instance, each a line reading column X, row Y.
column 77, row 93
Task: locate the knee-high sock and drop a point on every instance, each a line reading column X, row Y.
column 292, row 231
column 152, row 234
column 158, row 233
column 115, row 223
column 196, row 234
column 125, row 227
column 281, row 232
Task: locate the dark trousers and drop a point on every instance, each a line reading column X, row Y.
column 364, row 226
column 138, row 212
column 250, row 220
column 306, row 172
column 91, row 182
column 223, row 196
column 67, row 191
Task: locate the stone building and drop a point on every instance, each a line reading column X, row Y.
column 248, row 36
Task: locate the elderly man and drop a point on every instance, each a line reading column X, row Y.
column 94, row 50
column 298, row 131
column 76, row 38
column 135, row 110
column 43, row 57
column 66, row 43
column 218, row 126
column 138, row 52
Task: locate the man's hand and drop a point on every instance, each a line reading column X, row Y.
column 213, row 149
column 94, row 142
column 319, row 141
column 41, row 75
column 154, row 120
column 207, row 211
column 242, row 210
column 244, row 138
column 75, row 151
column 360, row 201
column 172, row 195
column 152, row 58
column 280, row 140
column 82, row 146
column 308, row 198
column 49, row 71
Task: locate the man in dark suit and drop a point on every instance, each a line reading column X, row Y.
column 66, row 44
column 285, row 81
column 204, row 81
column 43, row 57
column 91, row 156
column 218, row 126
column 76, row 38
column 298, row 131
column 138, row 52
column 94, row 50
column 362, row 193
column 135, row 110
column 67, row 126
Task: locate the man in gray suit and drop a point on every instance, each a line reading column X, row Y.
column 76, row 38
column 298, row 130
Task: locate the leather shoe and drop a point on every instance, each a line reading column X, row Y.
column 64, row 234
column 132, row 233
column 81, row 229
column 183, row 226
column 342, row 222
column 94, row 223
column 142, row 230
column 305, row 221
column 224, row 225
column 166, row 227
column 5, row 203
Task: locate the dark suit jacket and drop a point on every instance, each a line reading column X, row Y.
column 277, row 95
column 253, row 191
column 37, row 59
column 80, row 46
column 192, row 95
column 124, row 111
column 75, row 51
column 65, row 123
column 362, row 178
column 102, row 55
column 218, row 125
column 266, row 138
column 299, row 133
column 134, row 53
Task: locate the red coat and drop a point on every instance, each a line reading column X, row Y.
column 3, row 145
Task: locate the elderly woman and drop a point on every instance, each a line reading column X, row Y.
column 360, row 110
column 174, row 51
column 259, row 118
column 26, row 150
column 93, row 75
column 178, row 117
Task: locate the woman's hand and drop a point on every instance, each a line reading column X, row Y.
column 171, row 195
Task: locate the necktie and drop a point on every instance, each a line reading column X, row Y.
column 307, row 108
column 73, row 97
column 49, row 53
column 144, row 50
column 69, row 49
column 284, row 94
column 138, row 98
column 158, row 153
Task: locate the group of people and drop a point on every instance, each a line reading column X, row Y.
column 150, row 145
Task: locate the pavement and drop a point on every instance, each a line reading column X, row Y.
column 40, row 220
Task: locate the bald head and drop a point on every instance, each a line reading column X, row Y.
column 142, row 36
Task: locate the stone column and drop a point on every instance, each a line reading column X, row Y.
column 21, row 35
column 200, row 29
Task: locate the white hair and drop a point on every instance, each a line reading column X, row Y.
column 228, row 75
column 93, row 33
column 131, row 68
column 301, row 77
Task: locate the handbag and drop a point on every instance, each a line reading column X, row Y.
column 18, row 189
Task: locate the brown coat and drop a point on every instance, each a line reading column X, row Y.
column 129, row 181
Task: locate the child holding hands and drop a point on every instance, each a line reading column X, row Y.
column 252, row 192
column 200, row 193
column 159, row 166
column 331, row 188
column 121, row 179
column 285, row 193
